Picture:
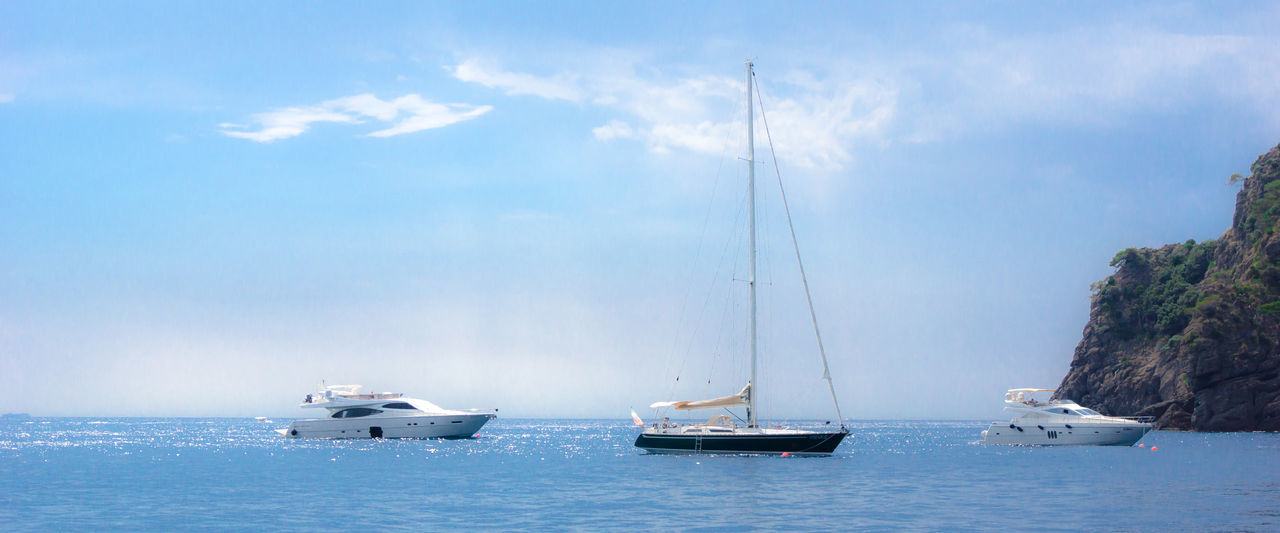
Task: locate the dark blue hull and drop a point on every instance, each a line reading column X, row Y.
column 796, row 444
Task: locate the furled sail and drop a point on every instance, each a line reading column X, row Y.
column 743, row 397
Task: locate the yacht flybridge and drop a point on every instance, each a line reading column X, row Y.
column 1061, row 422
column 720, row 434
column 390, row 415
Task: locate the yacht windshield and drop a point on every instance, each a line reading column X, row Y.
column 1088, row 412
column 397, row 405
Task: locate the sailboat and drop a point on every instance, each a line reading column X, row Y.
column 720, row 435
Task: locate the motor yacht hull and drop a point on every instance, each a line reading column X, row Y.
column 1059, row 434
column 764, row 442
column 459, row 426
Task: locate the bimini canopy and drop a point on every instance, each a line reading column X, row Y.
column 741, row 398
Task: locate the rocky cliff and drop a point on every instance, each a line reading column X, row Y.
column 1190, row 333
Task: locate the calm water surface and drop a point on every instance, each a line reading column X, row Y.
column 217, row 474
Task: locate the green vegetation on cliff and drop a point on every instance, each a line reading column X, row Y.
column 1161, row 303
column 1190, row 333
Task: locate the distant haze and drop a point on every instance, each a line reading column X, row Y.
column 206, row 209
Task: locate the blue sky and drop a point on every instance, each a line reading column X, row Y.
column 206, row 209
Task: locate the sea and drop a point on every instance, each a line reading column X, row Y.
column 220, row 474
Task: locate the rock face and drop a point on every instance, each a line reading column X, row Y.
column 1190, row 333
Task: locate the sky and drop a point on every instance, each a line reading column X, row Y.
column 208, row 208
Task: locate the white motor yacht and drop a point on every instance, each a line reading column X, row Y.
column 387, row 415
column 1062, row 422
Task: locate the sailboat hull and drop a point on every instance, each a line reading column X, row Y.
column 793, row 443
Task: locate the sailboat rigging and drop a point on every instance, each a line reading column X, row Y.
column 720, row 434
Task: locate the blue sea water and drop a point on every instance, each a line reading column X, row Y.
column 236, row 474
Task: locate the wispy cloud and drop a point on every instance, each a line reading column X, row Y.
column 6, row 98
column 285, row 123
column 615, row 129
column 977, row 82
column 558, row 87
column 1081, row 76
column 406, row 114
column 701, row 113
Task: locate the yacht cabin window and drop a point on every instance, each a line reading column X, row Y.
column 355, row 412
column 397, row 405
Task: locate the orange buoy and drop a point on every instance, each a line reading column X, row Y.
column 1140, row 445
column 1153, row 448
column 786, row 454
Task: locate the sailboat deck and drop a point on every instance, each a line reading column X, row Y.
column 704, row 429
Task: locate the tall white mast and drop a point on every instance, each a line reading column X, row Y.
column 751, row 281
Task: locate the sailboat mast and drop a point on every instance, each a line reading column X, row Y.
column 751, row 281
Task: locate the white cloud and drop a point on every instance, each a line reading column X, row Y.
column 969, row 80
column 6, row 98
column 703, row 113
column 615, row 129
column 414, row 114
column 559, row 87
column 1085, row 75
column 369, row 105
column 705, row 137
column 424, row 115
column 289, row 122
